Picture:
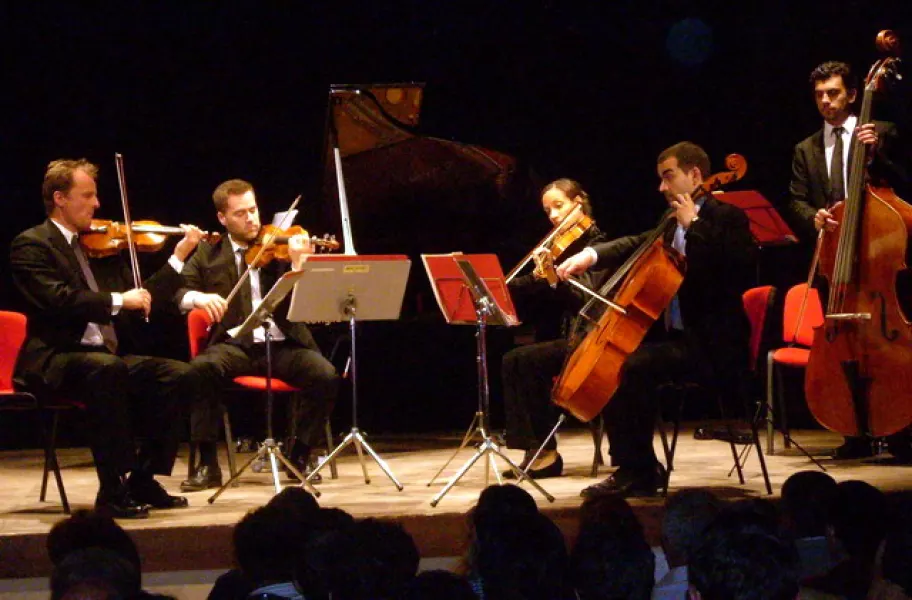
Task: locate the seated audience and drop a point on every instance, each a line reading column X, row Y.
column 804, row 515
column 687, row 514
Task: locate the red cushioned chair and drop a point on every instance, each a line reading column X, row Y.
column 798, row 335
column 198, row 324
column 12, row 336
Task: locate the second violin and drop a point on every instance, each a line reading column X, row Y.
column 275, row 241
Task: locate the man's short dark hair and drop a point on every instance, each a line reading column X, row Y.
column 805, row 504
column 88, row 529
column 58, row 177
column 232, row 187
column 613, row 561
column 739, row 558
column 831, row 68
column 268, row 543
column 689, row 155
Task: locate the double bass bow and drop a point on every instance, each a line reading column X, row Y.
column 643, row 287
column 858, row 379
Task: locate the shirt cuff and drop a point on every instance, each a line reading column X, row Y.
column 176, row 263
column 187, row 303
column 592, row 253
column 116, row 303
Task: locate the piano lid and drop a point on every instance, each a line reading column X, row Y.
column 410, row 193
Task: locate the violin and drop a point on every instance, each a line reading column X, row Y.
column 107, row 238
column 272, row 244
column 564, row 234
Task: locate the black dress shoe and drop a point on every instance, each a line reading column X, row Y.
column 148, row 491
column 854, row 447
column 555, row 469
column 629, row 482
column 119, row 504
column 203, row 478
column 305, row 466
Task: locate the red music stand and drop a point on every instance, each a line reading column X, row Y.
column 470, row 290
column 766, row 225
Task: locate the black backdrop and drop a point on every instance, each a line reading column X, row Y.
column 195, row 93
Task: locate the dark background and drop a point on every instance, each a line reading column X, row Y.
column 195, row 93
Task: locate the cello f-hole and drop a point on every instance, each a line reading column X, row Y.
column 894, row 333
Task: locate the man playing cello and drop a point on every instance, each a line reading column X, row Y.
column 707, row 332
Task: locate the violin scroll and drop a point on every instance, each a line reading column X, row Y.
column 888, row 42
column 736, row 167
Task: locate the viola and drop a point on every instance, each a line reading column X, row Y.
column 564, row 234
column 272, row 244
column 106, row 238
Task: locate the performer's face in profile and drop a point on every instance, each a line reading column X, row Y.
column 557, row 205
column 76, row 207
column 241, row 217
column 674, row 180
column 833, row 100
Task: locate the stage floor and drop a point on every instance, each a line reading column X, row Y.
column 199, row 537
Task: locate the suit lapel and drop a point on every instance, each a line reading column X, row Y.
column 59, row 243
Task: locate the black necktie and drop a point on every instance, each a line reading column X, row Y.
column 837, row 179
column 107, row 330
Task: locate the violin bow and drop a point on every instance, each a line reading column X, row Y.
column 128, row 223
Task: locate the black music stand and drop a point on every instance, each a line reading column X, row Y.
column 351, row 288
column 465, row 297
column 269, row 448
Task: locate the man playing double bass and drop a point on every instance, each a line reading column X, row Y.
column 820, row 171
column 707, row 332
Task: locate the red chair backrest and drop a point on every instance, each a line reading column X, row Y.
column 795, row 328
column 12, row 335
column 757, row 302
column 197, row 330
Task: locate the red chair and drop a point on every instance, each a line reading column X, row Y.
column 12, row 336
column 798, row 335
column 198, row 324
column 757, row 302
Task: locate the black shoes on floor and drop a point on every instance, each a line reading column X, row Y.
column 630, row 483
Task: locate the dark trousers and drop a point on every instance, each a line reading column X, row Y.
column 127, row 397
column 298, row 366
column 528, row 374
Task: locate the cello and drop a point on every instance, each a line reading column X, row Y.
column 858, row 379
column 643, row 287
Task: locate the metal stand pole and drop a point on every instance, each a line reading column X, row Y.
column 355, row 436
column 488, row 447
column 269, row 448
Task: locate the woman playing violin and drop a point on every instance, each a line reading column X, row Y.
column 705, row 330
column 528, row 371
column 209, row 277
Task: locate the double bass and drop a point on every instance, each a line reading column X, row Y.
column 643, row 287
column 858, row 380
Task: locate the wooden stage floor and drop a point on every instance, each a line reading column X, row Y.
column 199, row 537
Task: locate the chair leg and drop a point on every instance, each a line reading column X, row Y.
column 51, row 464
column 229, row 442
column 756, row 440
column 327, row 428
column 783, row 416
column 770, row 376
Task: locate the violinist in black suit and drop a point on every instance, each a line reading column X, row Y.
column 820, row 170
column 83, row 334
column 209, row 277
column 707, row 332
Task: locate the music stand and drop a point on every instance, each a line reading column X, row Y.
column 470, row 289
column 351, row 288
column 262, row 316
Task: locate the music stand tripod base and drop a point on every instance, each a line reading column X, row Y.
column 356, row 438
column 269, row 448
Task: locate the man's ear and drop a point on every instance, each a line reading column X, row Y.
column 221, row 217
column 59, row 198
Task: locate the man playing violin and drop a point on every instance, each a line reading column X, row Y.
column 83, row 332
column 528, row 370
column 813, row 191
column 705, row 328
column 209, row 277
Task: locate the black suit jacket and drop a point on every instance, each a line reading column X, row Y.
column 212, row 269
column 810, row 188
column 721, row 263
column 59, row 303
